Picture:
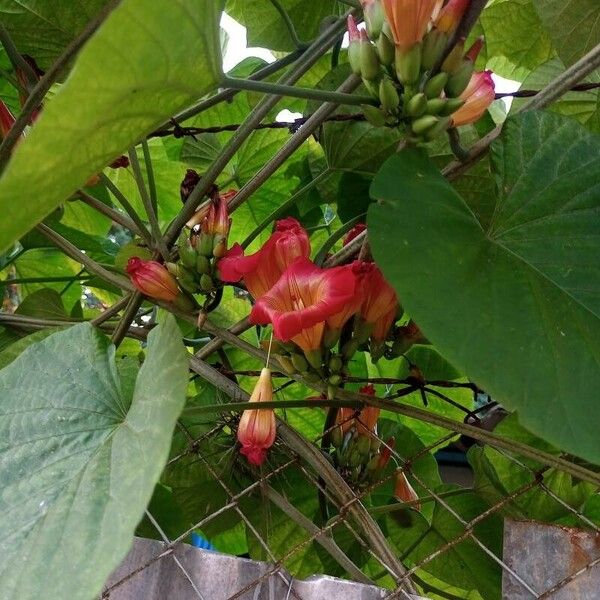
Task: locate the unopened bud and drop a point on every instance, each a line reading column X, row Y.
column 435, row 106
column 299, row 362
column 204, row 245
column 337, row 437
column 354, row 45
column 408, row 64
column 438, row 128
column 454, row 59
column 286, row 364
column 374, row 17
column 369, row 61
column 385, row 47
column 435, row 86
column 349, row 348
column 187, row 254
column 434, row 45
column 202, row 265
column 423, row 124
column 331, row 337
column 459, row 80
column 335, row 364
column 473, row 52
column 335, row 380
column 206, row 283
column 452, row 105
column 314, row 358
column 416, row 105
column 388, row 95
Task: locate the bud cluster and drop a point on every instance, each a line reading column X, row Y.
column 398, row 56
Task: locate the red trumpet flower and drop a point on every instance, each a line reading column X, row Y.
column 256, row 431
column 152, row 279
column 478, row 95
column 301, row 300
column 408, row 20
column 261, row 270
column 380, row 303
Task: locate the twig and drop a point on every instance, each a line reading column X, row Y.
column 43, row 85
column 111, row 213
column 148, row 205
column 150, row 175
column 135, row 301
column 17, row 61
column 288, row 23
column 312, row 54
column 91, row 265
column 347, row 252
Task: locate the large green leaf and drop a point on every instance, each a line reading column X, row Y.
column 514, row 304
column 146, row 62
column 44, row 29
column 267, row 29
column 573, row 26
column 516, row 42
column 79, row 459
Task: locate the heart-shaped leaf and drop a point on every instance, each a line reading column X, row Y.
column 515, row 304
column 79, row 458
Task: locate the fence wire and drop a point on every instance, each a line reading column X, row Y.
column 341, row 542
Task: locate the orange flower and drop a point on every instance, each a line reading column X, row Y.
column 408, row 20
column 366, row 420
column 256, row 431
column 301, row 300
column 478, row 95
column 360, row 271
column 450, row 15
column 188, row 184
column 380, row 304
column 261, row 270
column 404, row 492
column 152, row 279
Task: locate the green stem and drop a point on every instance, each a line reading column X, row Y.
column 122, row 200
column 288, row 23
column 18, row 62
column 44, row 280
column 278, row 404
column 337, row 235
column 281, row 210
column 298, row 92
column 148, row 205
column 107, row 211
column 150, row 176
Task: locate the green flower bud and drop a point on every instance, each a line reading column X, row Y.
column 451, row 106
column 355, row 458
column 299, row 362
column 314, row 358
column 335, row 363
column 187, row 254
column 459, row 80
column 435, row 106
column 408, row 64
column 204, row 245
column 335, row 380
column 423, row 124
column 202, row 265
column 434, row 45
column 388, row 95
column 337, row 437
column 369, row 61
column 374, row 18
column 286, row 364
column 187, row 282
column 354, row 57
column 206, row 283
column 454, row 59
column 363, row 446
column 434, row 87
column 438, row 128
column 416, row 106
column 330, row 337
column 349, row 348
column 385, row 48
column 373, row 115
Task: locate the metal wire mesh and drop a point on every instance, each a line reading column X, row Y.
column 339, row 541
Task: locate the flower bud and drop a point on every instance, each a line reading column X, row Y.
column 416, row 106
column 286, row 364
column 335, row 380
column 354, row 45
column 202, row 265
column 299, row 362
column 206, row 283
column 385, row 46
column 450, row 15
column 388, row 95
column 435, row 106
column 451, row 106
column 187, row 254
column 335, row 363
column 256, row 430
column 455, row 58
column 152, row 279
column 458, row 81
column 408, row 64
column 473, row 52
column 434, row 45
column 424, row 124
column 404, row 492
column 435, row 86
column 374, row 17
column 478, row 95
column 369, row 61
column 441, row 126
column 7, row 120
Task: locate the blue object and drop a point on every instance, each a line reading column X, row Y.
column 200, row 542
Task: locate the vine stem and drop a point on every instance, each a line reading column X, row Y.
column 18, row 62
column 91, row 265
column 299, row 92
column 43, row 85
column 291, row 145
column 107, row 211
column 308, row 59
column 288, row 23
